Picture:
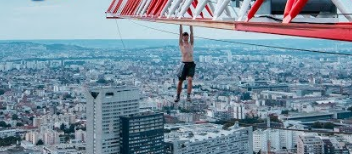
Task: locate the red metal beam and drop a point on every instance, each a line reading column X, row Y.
column 110, row 7
column 133, row 2
column 161, row 8
column 342, row 32
column 134, row 6
column 288, row 7
column 254, row 9
column 158, row 4
column 208, row 9
column 332, row 32
column 117, row 6
column 297, row 7
column 151, row 6
column 189, row 11
column 126, row 7
column 194, row 4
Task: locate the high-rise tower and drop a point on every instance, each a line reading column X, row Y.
column 105, row 105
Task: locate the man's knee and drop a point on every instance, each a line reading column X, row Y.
column 189, row 79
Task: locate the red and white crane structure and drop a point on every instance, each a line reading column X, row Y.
column 325, row 19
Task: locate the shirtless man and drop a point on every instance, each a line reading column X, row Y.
column 188, row 66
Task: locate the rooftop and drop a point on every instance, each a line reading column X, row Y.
column 294, row 115
column 142, row 114
column 110, row 88
column 197, row 132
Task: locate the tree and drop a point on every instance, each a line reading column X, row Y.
column 253, row 120
column 2, row 91
column 67, row 138
column 40, row 142
column 14, row 117
column 19, row 124
column 274, row 118
column 317, row 125
column 7, row 141
column 62, row 127
column 294, row 110
column 284, row 112
column 246, row 96
column 102, row 81
column 350, row 108
column 228, row 125
column 3, row 124
column 71, row 129
column 182, row 110
column 329, row 125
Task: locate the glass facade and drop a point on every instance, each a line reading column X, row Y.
column 143, row 133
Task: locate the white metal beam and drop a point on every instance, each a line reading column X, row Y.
column 147, row 3
column 184, row 9
column 175, row 5
column 167, row 6
column 140, row 7
column 244, row 9
column 345, row 7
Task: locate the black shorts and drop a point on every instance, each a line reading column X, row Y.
column 187, row 69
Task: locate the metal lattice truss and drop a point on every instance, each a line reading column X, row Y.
column 326, row 19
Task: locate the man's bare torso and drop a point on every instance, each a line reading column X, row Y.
column 187, row 52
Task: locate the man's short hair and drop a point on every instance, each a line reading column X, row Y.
column 185, row 34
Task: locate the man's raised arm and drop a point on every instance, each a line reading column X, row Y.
column 180, row 39
column 191, row 36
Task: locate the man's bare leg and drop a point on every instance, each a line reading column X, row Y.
column 179, row 90
column 189, row 88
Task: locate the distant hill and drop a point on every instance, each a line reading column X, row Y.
column 64, row 47
column 30, row 46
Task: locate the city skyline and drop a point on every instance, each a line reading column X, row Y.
column 74, row 82
column 44, row 103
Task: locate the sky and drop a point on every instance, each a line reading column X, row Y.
column 85, row 19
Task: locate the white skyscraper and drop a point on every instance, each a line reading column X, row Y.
column 309, row 143
column 239, row 111
column 260, row 140
column 105, row 105
column 279, row 139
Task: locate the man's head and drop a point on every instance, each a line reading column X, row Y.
column 185, row 37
